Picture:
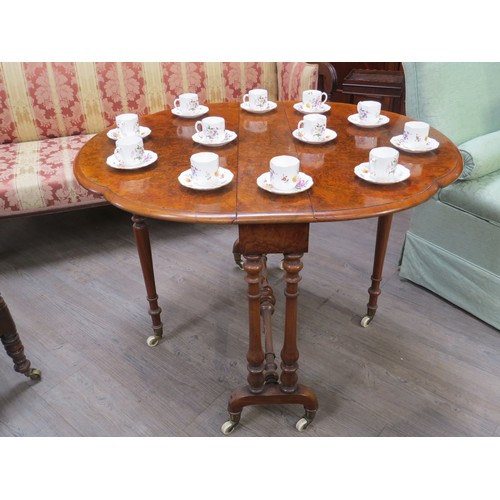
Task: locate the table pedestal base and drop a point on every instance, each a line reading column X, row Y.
column 271, row 394
column 265, row 385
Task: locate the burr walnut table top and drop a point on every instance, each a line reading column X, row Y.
column 337, row 193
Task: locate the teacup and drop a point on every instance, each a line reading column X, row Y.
column 383, row 163
column 128, row 124
column 129, row 150
column 369, row 112
column 213, row 128
column 187, row 103
column 205, row 168
column 313, row 126
column 284, row 172
column 256, row 99
column 313, row 100
column 416, row 135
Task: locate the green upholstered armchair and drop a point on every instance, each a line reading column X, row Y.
column 453, row 244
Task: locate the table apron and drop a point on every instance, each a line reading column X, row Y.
column 255, row 239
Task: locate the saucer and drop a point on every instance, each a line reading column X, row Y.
column 115, row 133
column 303, row 184
column 228, row 137
column 225, row 177
column 270, row 106
column 149, row 157
column 329, row 136
column 402, row 173
column 199, row 111
column 299, row 107
column 354, row 119
column 430, row 145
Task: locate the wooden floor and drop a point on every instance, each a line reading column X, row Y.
column 74, row 287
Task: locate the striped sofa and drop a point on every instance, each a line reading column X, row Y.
column 48, row 111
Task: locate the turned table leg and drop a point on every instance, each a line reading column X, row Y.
column 13, row 345
column 255, row 356
column 383, row 231
column 143, row 243
column 290, row 354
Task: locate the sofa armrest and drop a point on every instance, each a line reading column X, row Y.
column 481, row 156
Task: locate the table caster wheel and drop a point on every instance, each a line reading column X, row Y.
column 153, row 340
column 302, row 424
column 34, row 374
column 228, row 427
column 239, row 264
column 366, row 321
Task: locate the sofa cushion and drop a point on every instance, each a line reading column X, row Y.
column 479, row 197
column 481, row 155
column 38, row 176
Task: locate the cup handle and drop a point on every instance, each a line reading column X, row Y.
column 177, row 103
column 300, row 125
column 196, row 127
column 326, row 97
column 246, row 98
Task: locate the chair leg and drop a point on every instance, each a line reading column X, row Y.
column 13, row 345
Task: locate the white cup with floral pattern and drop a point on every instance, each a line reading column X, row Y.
column 205, row 169
column 128, row 124
column 313, row 126
column 369, row 112
column 212, row 128
column 284, row 172
column 187, row 103
column 256, row 99
column 416, row 135
column 313, row 100
column 383, row 163
column 129, row 151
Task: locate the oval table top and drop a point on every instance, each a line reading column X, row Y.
column 337, row 193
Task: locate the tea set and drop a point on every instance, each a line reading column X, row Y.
column 256, row 101
column 284, row 175
column 129, row 152
column 188, row 106
column 205, row 173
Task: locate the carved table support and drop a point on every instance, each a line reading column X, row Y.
column 264, row 386
column 383, row 231
column 255, row 356
column 143, row 243
column 290, row 354
column 13, row 345
column 267, row 302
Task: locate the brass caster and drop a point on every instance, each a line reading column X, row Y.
column 239, row 264
column 302, row 424
column 153, row 340
column 281, row 264
column 34, row 374
column 228, row 427
column 366, row 321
